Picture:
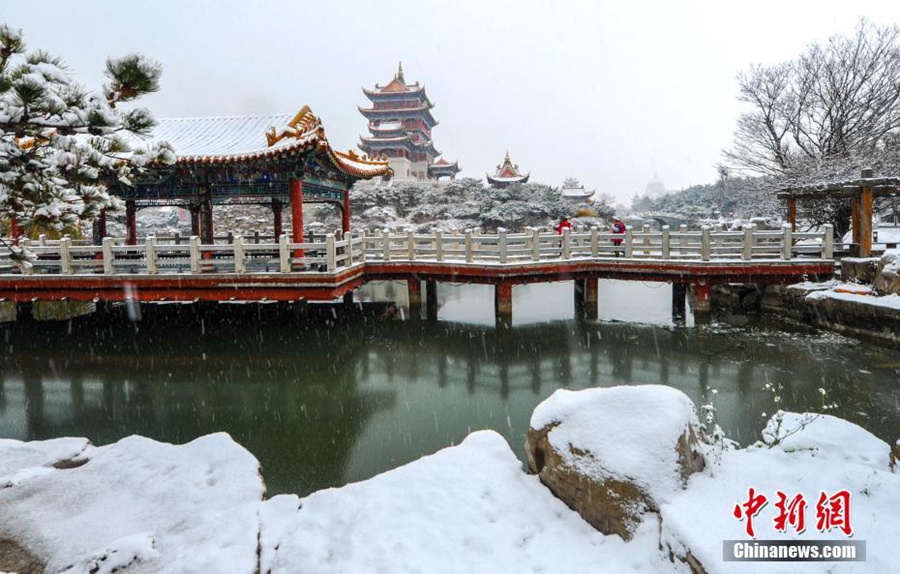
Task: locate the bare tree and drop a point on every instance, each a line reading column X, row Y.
column 824, row 115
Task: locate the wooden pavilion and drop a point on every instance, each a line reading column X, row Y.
column 861, row 193
column 260, row 160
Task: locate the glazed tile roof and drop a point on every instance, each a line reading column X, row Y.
column 233, row 139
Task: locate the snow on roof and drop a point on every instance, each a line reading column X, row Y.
column 576, row 192
column 510, row 178
column 225, row 135
column 227, row 139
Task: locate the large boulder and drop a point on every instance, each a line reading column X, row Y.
column 859, row 269
column 887, row 277
column 613, row 455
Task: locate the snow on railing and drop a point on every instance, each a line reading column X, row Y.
column 336, row 253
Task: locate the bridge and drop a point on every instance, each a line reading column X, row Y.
column 328, row 267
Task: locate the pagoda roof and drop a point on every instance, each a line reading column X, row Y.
column 388, row 126
column 572, row 189
column 424, row 111
column 242, row 139
column 372, row 142
column 397, row 85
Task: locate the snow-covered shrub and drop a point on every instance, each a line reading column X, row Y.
column 464, row 203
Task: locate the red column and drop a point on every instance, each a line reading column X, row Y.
column 207, row 229
column 99, row 232
column 130, row 223
column 195, row 219
column 345, row 222
column 101, row 225
column 276, row 215
column 297, row 214
column 15, row 230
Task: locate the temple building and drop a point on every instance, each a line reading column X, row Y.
column 400, row 124
column 507, row 173
column 655, row 188
column 573, row 191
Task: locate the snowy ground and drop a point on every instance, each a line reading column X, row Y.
column 139, row 506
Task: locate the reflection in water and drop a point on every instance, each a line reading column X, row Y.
column 322, row 401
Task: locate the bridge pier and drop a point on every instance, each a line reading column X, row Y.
column 414, row 296
column 679, row 307
column 586, row 291
column 348, row 298
column 701, row 302
column 503, row 306
column 431, row 301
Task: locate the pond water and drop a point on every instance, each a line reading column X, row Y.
column 339, row 396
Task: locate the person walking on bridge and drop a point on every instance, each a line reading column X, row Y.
column 618, row 227
column 563, row 224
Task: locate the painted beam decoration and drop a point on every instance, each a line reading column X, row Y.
column 248, row 158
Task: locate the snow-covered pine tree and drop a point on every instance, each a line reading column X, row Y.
column 61, row 145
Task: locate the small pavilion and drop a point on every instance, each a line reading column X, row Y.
column 574, row 192
column 272, row 160
column 860, row 192
column 507, row 174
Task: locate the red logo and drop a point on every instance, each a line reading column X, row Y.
column 834, row 512
column 831, row 512
column 790, row 513
column 749, row 509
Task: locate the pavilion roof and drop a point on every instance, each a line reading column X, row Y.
column 241, row 139
column 444, row 166
column 508, row 171
column 880, row 186
column 572, row 188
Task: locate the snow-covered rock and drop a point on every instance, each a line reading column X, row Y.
column 17, row 455
column 801, row 454
column 614, row 454
column 150, row 506
column 887, row 277
column 468, row 508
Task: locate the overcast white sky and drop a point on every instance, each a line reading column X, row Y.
column 609, row 92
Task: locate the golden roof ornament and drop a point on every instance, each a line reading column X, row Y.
column 300, row 125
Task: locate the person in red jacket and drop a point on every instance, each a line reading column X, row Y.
column 563, row 224
column 617, row 227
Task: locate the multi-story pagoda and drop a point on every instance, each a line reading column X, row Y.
column 573, row 191
column 507, row 174
column 400, row 124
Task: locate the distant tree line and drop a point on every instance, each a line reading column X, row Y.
column 729, row 198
